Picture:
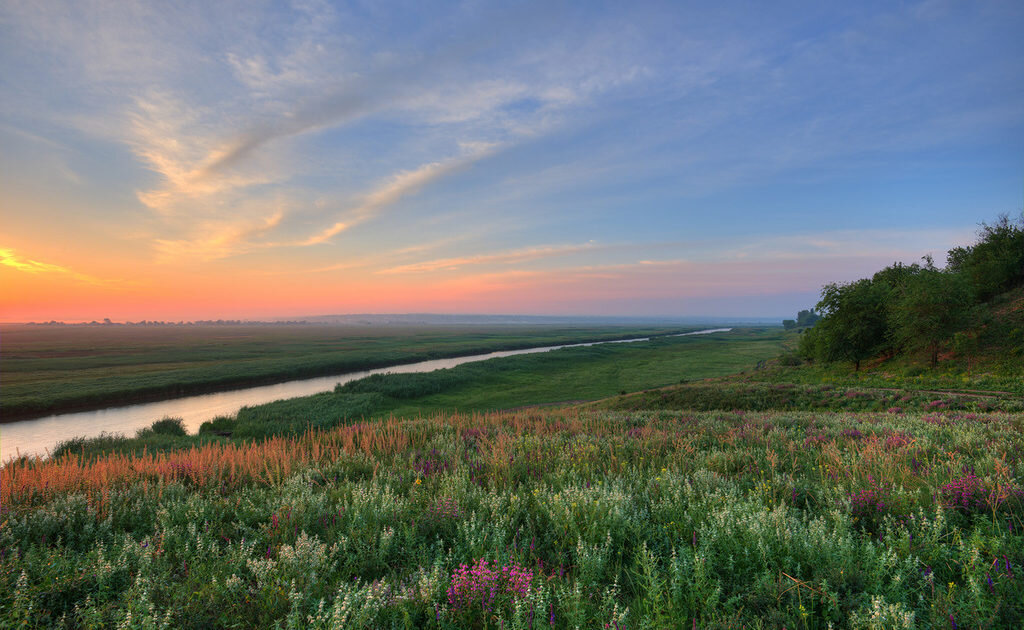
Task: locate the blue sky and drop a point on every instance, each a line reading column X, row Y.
column 254, row 159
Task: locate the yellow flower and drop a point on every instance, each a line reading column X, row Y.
column 418, row 482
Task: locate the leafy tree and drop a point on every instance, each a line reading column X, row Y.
column 996, row 262
column 896, row 275
column 853, row 323
column 893, row 278
column 930, row 309
column 806, row 319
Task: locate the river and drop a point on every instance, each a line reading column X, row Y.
column 38, row 435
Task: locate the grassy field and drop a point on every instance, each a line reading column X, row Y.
column 54, row 368
column 745, row 500
column 537, row 518
column 750, row 393
column 561, row 376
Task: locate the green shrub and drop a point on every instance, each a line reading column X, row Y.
column 104, row 442
column 221, row 425
column 166, row 426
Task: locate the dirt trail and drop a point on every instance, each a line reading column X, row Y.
column 970, row 393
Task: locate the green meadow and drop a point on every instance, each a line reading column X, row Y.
column 536, row 518
column 49, row 369
column 718, row 491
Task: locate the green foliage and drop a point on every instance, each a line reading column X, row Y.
column 853, row 324
column 804, row 319
column 632, row 519
column 996, row 262
column 296, row 415
column 412, row 385
column 105, row 442
column 909, row 308
column 930, row 309
column 165, row 426
column 736, row 394
column 221, row 425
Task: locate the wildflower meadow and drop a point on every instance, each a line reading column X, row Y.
column 562, row 518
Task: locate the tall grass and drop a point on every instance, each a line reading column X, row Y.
column 535, row 519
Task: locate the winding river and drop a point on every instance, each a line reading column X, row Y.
column 36, row 436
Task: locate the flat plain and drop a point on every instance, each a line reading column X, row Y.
column 47, row 369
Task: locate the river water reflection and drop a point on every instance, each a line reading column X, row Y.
column 36, row 436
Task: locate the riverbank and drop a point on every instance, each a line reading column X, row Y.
column 578, row 373
column 55, row 370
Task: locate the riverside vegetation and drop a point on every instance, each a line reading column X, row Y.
column 49, row 369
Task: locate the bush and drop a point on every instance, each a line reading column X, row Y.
column 790, row 360
column 79, row 444
column 220, row 425
column 164, row 426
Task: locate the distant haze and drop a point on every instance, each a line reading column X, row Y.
column 237, row 160
column 371, row 319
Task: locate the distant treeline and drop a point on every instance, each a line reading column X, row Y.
column 200, row 322
column 804, row 319
column 919, row 307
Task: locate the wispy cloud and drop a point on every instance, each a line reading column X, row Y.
column 173, row 139
column 508, row 257
column 9, row 258
column 218, row 240
column 400, row 185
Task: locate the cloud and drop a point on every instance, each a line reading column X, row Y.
column 9, row 258
column 509, row 257
column 345, row 104
column 172, row 138
column 398, row 186
column 218, row 239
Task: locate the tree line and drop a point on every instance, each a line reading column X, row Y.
column 918, row 307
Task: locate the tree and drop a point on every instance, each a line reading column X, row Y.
column 930, row 308
column 893, row 278
column 996, row 262
column 853, row 323
column 806, row 319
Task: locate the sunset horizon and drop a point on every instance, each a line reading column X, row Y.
column 213, row 161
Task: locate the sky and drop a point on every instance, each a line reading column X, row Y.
column 224, row 160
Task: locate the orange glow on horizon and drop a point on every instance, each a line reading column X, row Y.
column 233, row 292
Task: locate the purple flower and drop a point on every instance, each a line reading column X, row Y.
column 482, row 584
